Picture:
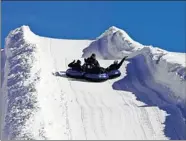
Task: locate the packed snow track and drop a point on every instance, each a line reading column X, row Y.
column 38, row 104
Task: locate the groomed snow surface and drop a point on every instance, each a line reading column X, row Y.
column 148, row 101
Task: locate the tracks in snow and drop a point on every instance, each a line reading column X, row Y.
column 96, row 111
column 63, row 99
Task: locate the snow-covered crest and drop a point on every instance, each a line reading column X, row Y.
column 19, row 84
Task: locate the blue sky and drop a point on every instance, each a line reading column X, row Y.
column 160, row 24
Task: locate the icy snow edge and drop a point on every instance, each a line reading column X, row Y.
column 21, row 75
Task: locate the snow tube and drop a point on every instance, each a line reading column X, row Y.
column 74, row 73
column 96, row 77
column 114, row 74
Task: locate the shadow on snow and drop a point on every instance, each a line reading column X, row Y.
column 138, row 81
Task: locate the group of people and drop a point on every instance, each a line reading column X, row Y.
column 91, row 65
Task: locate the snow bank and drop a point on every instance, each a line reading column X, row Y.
column 21, row 74
column 167, row 68
column 29, row 88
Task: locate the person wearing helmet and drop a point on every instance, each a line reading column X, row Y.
column 115, row 65
column 75, row 65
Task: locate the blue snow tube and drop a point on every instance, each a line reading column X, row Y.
column 114, row 74
column 74, row 73
column 96, row 77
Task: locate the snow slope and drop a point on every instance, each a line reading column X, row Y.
column 147, row 101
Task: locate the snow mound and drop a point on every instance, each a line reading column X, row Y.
column 21, row 75
column 114, row 43
column 27, row 73
column 164, row 71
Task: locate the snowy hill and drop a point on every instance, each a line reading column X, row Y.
column 148, row 101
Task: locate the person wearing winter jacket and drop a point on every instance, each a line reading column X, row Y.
column 92, row 61
column 115, row 65
column 75, row 65
column 91, row 65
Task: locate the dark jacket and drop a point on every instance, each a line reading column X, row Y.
column 116, row 66
column 76, row 66
column 92, row 62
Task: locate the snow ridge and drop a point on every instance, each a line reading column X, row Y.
column 169, row 74
column 114, row 43
column 19, row 85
